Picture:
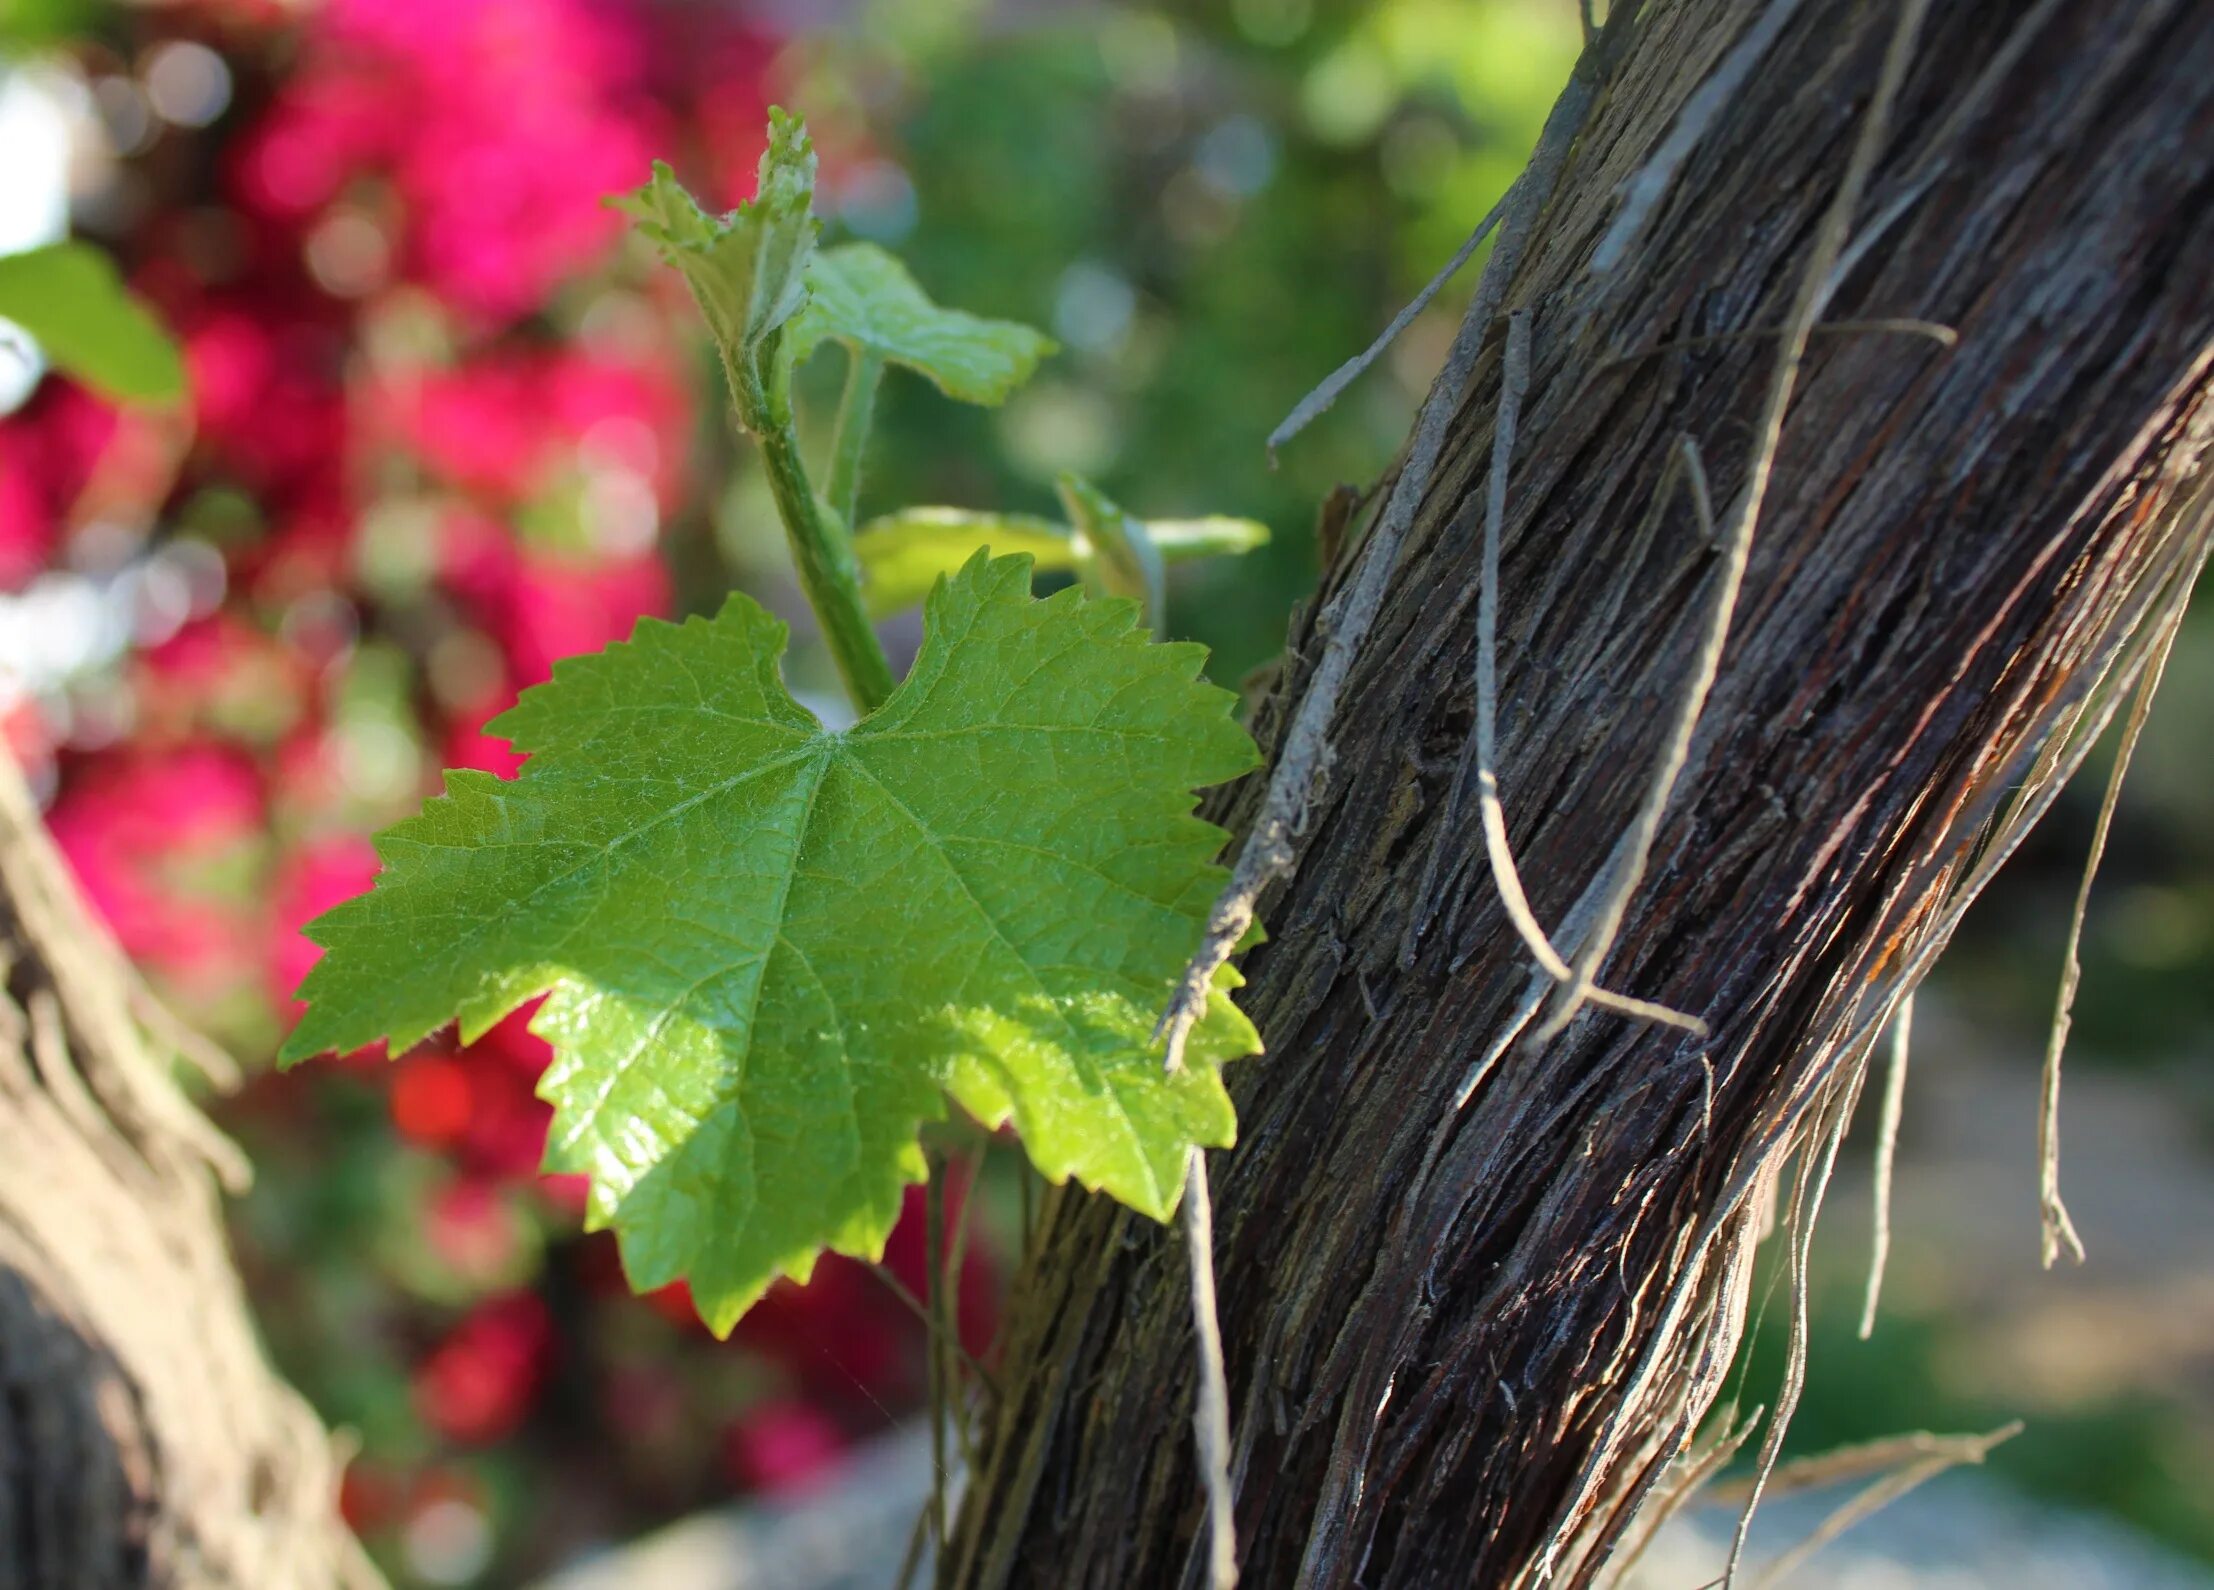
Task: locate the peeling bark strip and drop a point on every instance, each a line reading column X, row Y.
column 143, row 1439
column 1460, row 1338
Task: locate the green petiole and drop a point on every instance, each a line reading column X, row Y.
column 856, row 407
column 822, row 549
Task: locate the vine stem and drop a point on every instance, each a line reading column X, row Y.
column 1211, row 1404
column 821, row 548
column 856, row 407
column 940, row 1390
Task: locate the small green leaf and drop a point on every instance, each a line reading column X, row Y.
column 1181, row 540
column 1123, row 560
column 748, row 269
column 74, row 305
column 864, row 298
column 772, row 947
column 903, row 554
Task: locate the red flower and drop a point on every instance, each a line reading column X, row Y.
column 507, row 1127
column 432, row 1099
column 478, row 1384
column 368, row 1496
column 842, row 1336
column 510, row 1041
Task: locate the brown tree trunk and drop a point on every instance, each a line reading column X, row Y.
column 144, row 1440
column 1465, row 1335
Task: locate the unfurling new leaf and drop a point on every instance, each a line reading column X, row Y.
column 748, row 269
column 861, row 296
column 903, row 553
column 772, row 947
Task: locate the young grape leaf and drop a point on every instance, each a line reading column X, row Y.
column 748, row 269
column 1212, row 535
column 903, row 553
column 863, row 297
column 76, row 308
column 1124, row 561
column 771, row 945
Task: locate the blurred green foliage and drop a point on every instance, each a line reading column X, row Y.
column 1209, row 208
column 2131, row 1457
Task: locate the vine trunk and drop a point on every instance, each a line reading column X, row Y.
column 1478, row 1292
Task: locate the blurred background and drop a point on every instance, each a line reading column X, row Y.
column 446, row 424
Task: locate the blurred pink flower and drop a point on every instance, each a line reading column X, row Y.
column 503, row 426
column 215, row 673
column 265, row 363
column 782, row 1447
column 27, row 736
column 543, row 606
column 500, row 124
column 467, row 745
column 478, row 1383
column 473, row 1229
column 141, row 829
column 26, row 522
column 48, row 451
column 483, row 428
column 202, row 657
column 558, row 609
column 310, row 881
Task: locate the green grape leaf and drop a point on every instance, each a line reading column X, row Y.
column 76, row 308
column 771, row 947
column 863, row 297
column 904, row 554
column 748, row 269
